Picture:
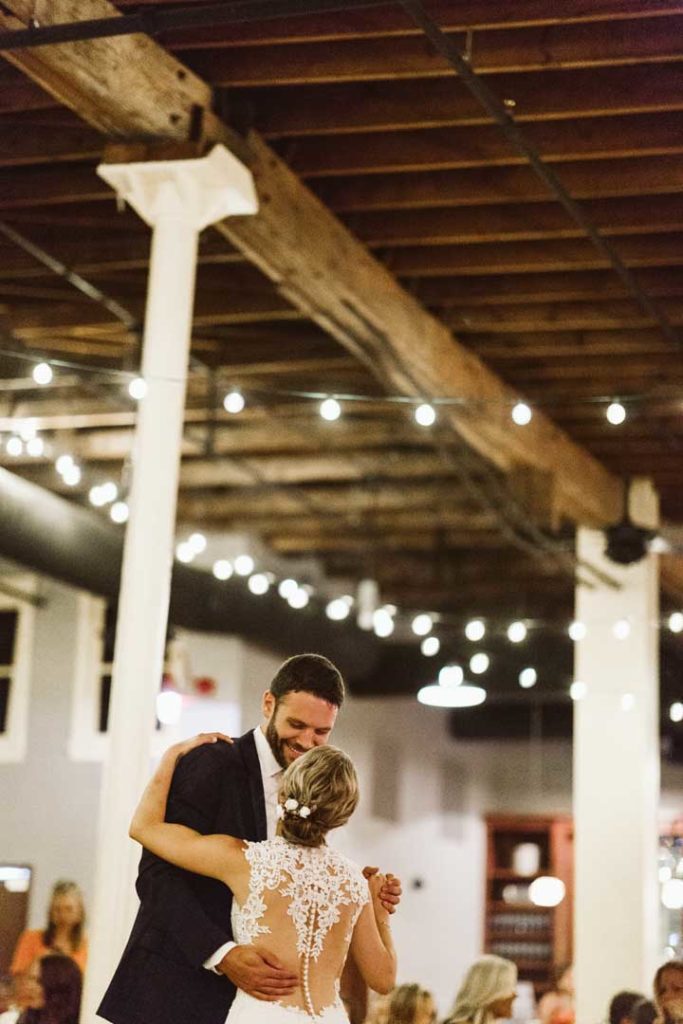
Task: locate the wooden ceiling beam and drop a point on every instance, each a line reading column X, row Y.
column 560, row 316
column 634, row 176
column 525, row 289
column 514, row 222
column 420, row 103
column 596, row 138
column 580, row 45
column 356, row 24
column 569, row 254
column 323, row 270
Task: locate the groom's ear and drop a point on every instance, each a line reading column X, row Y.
column 268, row 704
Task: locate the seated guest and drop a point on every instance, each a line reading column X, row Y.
column 55, row 997
column 487, row 992
column 63, row 933
column 557, row 1006
column 621, row 1007
column 644, row 1012
column 410, row 1004
column 668, row 986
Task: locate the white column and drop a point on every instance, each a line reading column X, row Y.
column 616, row 775
column 177, row 198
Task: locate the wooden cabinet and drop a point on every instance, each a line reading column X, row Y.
column 538, row 939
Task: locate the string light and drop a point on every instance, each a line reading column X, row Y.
column 521, row 414
column 14, row 446
column 35, row 446
column 244, row 565
column 222, row 569
column 299, row 599
column 475, row 630
column 64, row 463
column 676, row 711
column 137, row 388
column 578, row 690
column 516, row 632
column 676, row 622
column 72, row 475
column 119, row 512
column 465, row 696
column 338, row 609
column 430, row 646
column 42, row 374
column 425, row 415
column 258, row 584
column 577, row 631
column 330, row 409
column 628, row 701
column 616, row 413
column 422, row 624
column 479, row 663
column 528, row 678
column 234, row 402
column 185, row 552
column 383, row 622
column 287, row 587
column 197, row 542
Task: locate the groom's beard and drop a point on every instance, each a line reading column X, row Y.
column 280, row 746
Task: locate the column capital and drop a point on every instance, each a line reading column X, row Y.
column 199, row 191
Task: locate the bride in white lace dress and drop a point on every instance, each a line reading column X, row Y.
column 294, row 896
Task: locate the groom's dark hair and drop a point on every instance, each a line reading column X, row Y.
column 309, row 673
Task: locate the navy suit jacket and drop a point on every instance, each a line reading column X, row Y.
column 184, row 918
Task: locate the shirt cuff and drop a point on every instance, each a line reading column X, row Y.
column 216, row 958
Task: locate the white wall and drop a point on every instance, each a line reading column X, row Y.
column 424, row 794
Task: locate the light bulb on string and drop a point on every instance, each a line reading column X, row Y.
column 197, row 542
column 35, row 447
column 42, row 373
column 425, row 414
column 222, row 569
column 451, row 675
column 234, row 402
column 14, row 446
column 422, row 624
column 528, row 677
column 479, row 663
column 258, row 584
column 521, row 414
column 244, row 565
column 137, row 388
column 185, row 552
column 108, row 492
column 383, row 622
column 676, row 711
column 119, row 512
column 578, row 690
column 298, row 599
column 616, row 413
column 72, row 475
column 287, row 587
column 330, row 409
column 64, row 463
column 516, row 632
column 675, row 622
column 475, row 630
column 577, row 631
column 27, row 429
column 430, row 646
column 337, row 609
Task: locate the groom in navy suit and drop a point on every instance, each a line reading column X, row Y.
column 181, row 965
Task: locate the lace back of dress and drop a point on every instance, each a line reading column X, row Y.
column 317, row 891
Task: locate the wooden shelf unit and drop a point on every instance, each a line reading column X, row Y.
column 537, row 939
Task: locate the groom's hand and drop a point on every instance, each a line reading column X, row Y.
column 390, row 893
column 260, row 975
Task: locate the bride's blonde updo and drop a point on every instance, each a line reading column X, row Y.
column 324, row 781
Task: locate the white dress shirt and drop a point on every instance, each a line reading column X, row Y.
column 271, row 773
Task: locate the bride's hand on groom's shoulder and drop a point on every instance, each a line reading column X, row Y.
column 389, row 890
column 179, row 750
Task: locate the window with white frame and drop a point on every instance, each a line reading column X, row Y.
column 17, row 617
column 95, row 639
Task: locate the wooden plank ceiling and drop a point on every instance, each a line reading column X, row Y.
column 447, row 271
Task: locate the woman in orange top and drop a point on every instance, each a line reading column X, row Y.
column 64, row 932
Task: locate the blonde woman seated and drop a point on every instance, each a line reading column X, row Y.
column 410, row 1004
column 487, row 992
column 294, row 896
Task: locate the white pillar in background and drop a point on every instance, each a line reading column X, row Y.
column 616, row 775
column 178, row 198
